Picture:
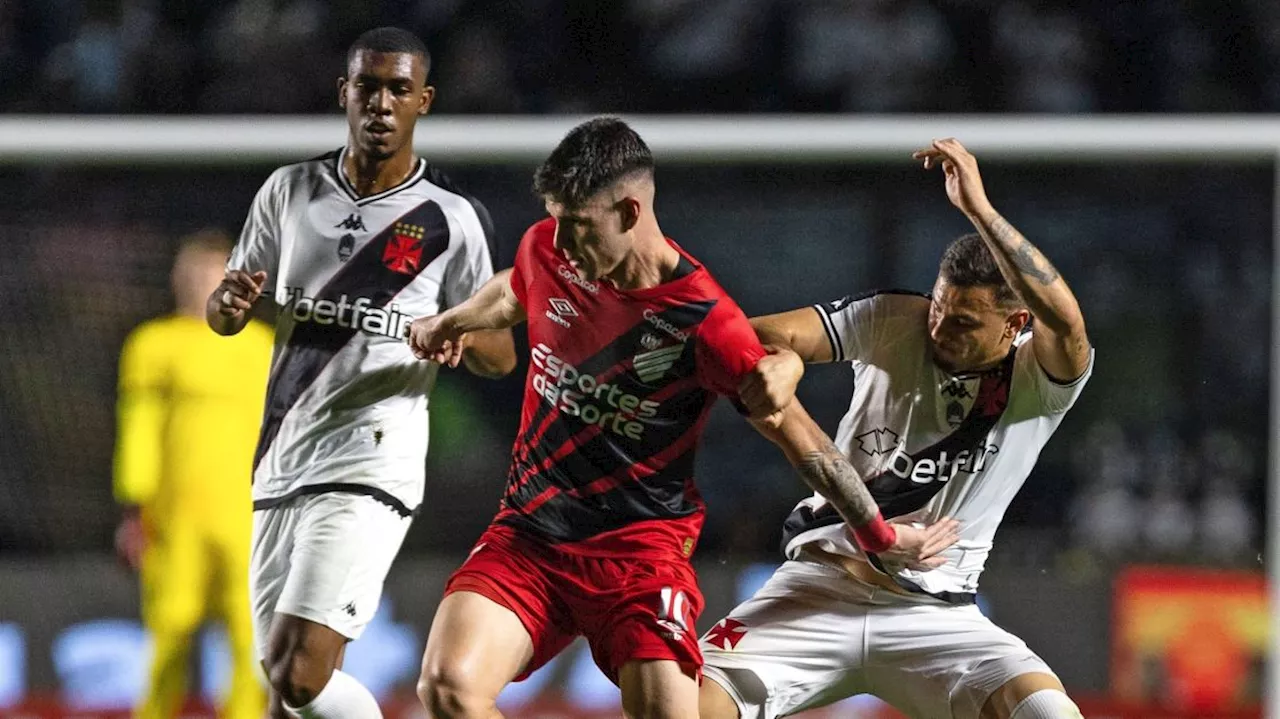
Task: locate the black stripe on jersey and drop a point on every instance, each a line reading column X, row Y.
column 436, row 177
column 837, row 347
column 312, row 345
column 685, row 317
column 379, row 495
column 607, row 454
column 565, row 518
column 826, row 309
column 417, row 174
column 898, row 495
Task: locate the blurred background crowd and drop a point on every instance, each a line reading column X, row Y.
column 569, row 56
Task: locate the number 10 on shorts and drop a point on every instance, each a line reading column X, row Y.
column 673, row 611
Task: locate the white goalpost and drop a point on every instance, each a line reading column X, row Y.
column 119, row 140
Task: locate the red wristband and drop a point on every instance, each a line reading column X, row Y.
column 875, row 536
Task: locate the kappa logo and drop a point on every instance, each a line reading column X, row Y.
column 651, row 366
column 350, row 609
column 353, row 222
column 878, row 441
column 955, row 387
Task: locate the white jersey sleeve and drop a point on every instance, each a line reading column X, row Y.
column 473, row 265
column 258, row 248
column 854, row 323
column 1055, row 397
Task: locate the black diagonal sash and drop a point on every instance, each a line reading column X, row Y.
column 366, row 274
column 897, row 495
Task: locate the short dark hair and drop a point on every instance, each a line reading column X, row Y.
column 594, row 155
column 968, row 262
column 391, row 39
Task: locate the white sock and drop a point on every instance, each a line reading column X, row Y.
column 342, row 698
column 1046, row 704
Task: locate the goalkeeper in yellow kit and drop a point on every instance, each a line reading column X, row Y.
column 190, row 405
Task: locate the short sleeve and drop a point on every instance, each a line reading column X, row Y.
column 849, row 323
column 727, row 349
column 1055, row 397
column 258, row 248
column 523, row 271
column 473, row 265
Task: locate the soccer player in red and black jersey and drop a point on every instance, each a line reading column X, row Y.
column 631, row 340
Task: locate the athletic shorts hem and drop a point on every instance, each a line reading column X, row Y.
column 745, row 710
column 476, row 583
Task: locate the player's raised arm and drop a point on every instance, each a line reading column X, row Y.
column 494, row 307
column 827, row 471
column 1060, row 342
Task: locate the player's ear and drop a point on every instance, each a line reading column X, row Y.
column 1016, row 322
column 342, row 93
column 428, row 95
column 629, row 211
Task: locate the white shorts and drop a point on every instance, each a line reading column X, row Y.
column 814, row 635
column 322, row 557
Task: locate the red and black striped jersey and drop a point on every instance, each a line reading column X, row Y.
column 619, row 386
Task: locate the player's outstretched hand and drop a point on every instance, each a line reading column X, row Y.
column 771, row 386
column 960, row 167
column 239, row 290
column 918, row 547
column 434, row 338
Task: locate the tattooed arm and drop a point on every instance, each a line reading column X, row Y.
column 1060, row 342
column 827, row 471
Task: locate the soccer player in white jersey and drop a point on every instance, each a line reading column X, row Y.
column 954, row 397
column 352, row 246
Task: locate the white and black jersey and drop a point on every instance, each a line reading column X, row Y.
column 931, row 444
column 347, row 401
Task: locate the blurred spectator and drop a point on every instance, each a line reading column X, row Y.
column 868, row 56
column 1046, row 59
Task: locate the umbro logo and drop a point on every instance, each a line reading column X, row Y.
column 353, row 222
column 560, row 309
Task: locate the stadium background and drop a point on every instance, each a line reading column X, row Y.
column 1152, row 495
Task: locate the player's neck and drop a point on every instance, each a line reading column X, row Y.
column 191, row 310
column 370, row 176
column 652, row 262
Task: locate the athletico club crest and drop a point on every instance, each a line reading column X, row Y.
column 403, row 252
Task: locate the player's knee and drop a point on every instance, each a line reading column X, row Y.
column 448, row 693
column 298, row 677
column 1046, row 704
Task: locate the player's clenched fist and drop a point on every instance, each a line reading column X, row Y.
column 769, row 388
column 239, row 290
column 435, row 338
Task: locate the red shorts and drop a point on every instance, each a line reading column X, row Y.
column 628, row 609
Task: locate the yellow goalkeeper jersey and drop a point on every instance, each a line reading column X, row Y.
column 189, row 411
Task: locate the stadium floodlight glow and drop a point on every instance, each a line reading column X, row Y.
column 96, row 140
